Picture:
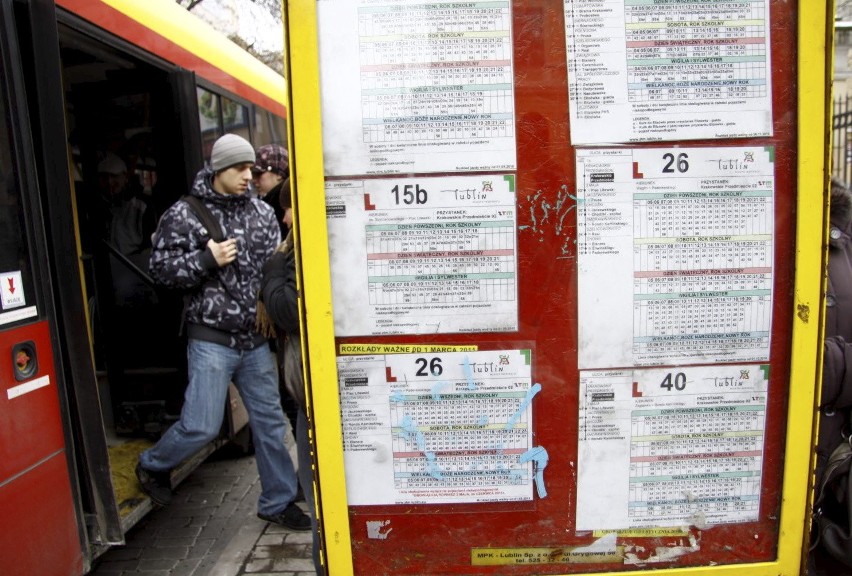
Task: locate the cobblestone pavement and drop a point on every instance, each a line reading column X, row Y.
column 210, row 529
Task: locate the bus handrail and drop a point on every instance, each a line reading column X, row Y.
column 128, row 263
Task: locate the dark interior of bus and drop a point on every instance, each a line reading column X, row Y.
column 127, row 169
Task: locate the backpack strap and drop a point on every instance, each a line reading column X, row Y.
column 210, row 223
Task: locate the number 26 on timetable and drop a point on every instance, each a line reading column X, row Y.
column 679, row 164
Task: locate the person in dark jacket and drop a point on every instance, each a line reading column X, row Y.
column 271, row 180
column 271, row 169
column 836, row 399
column 279, row 316
column 223, row 343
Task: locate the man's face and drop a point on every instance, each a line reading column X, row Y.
column 266, row 181
column 288, row 218
column 234, row 180
column 112, row 184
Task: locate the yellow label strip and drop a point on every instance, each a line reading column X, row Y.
column 559, row 555
column 346, row 349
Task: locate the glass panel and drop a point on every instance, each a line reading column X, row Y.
column 236, row 118
column 262, row 135
column 278, row 127
column 18, row 294
column 209, row 118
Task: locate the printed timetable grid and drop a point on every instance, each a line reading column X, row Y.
column 436, row 72
column 688, row 51
column 706, row 459
column 702, row 272
column 459, row 440
column 441, row 262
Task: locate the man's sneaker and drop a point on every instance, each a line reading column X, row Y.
column 157, row 485
column 292, row 517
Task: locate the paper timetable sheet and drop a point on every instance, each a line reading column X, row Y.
column 677, row 446
column 645, row 70
column 437, row 427
column 423, row 255
column 410, row 86
column 675, row 255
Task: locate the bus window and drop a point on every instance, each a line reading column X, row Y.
column 14, row 263
column 235, row 116
column 278, row 128
column 209, row 118
column 268, row 128
column 260, row 127
column 217, row 115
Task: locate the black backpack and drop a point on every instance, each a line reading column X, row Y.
column 833, row 506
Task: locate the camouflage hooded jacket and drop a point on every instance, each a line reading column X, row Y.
column 223, row 301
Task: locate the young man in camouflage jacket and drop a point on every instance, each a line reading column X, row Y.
column 223, row 345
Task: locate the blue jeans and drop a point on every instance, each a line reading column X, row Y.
column 211, row 368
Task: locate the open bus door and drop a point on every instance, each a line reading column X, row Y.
column 40, row 533
column 125, row 378
column 36, row 26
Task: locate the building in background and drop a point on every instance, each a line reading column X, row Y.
column 842, row 121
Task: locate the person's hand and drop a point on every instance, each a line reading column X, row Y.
column 224, row 252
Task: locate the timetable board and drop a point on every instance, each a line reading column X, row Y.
column 634, row 237
column 410, row 86
column 648, row 70
column 675, row 255
column 679, row 446
column 423, row 255
column 437, row 428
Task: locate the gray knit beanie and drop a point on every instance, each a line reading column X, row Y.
column 229, row 150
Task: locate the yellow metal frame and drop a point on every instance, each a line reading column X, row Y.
column 306, row 115
column 813, row 89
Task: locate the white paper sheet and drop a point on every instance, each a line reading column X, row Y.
column 671, row 447
column 650, row 70
column 437, row 428
column 675, row 255
column 412, row 87
column 423, row 255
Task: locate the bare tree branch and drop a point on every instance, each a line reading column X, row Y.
column 273, row 59
column 190, row 4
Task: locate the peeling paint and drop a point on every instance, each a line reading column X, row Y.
column 604, row 544
column 699, row 520
column 378, row 529
column 636, row 555
column 803, row 311
column 544, row 215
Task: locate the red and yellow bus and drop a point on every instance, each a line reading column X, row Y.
column 92, row 363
